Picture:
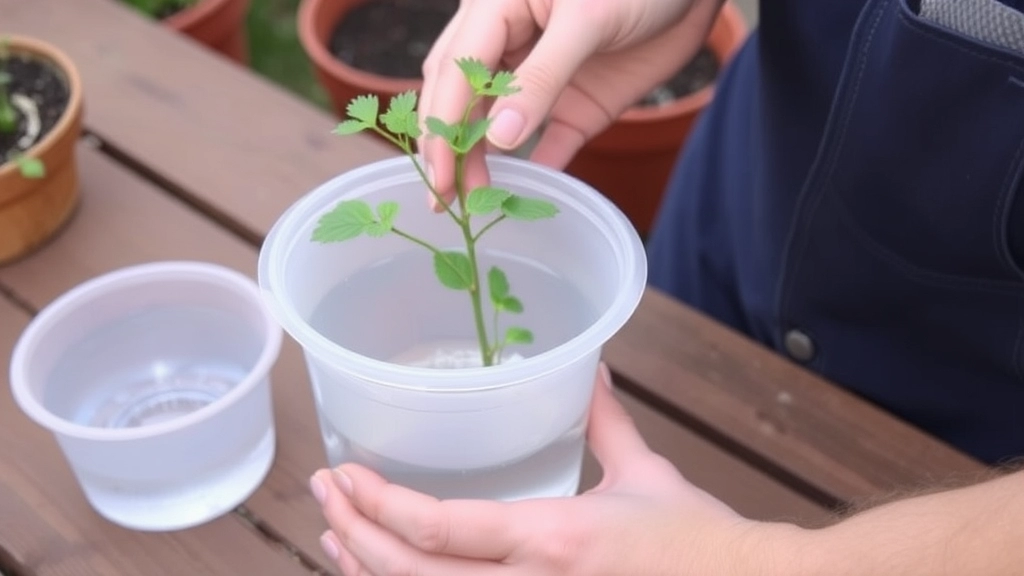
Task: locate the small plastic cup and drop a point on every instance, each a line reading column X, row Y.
column 370, row 315
column 154, row 380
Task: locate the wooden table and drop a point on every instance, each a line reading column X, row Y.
column 189, row 156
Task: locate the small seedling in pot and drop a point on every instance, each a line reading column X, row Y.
column 457, row 270
column 28, row 166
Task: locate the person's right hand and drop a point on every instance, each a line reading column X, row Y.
column 580, row 64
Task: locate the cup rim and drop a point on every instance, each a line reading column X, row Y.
column 630, row 258
column 49, row 318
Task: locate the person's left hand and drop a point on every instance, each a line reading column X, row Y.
column 643, row 518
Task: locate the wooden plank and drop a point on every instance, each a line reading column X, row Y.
column 748, row 491
column 47, row 527
column 124, row 220
column 198, row 122
column 757, row 403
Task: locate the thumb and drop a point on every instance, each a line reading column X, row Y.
column 611, row 433
column 542, row 76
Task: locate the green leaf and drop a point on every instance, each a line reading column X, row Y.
column 376, row 229
column 386, row 213
column 400, row 117
column 476, row 73
column 497, row 282
column 347, row 220
column 522, row 208
column 517, row 335
column 485, row 199
column 501, row 84
column 511, row 304
column 364, row 108
column 454, row 270
column 441, row 128
column 474, row 132
column 32, row 168
column 350, row 126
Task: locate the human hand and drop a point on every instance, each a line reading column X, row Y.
column 643, row 518
column 579, row 63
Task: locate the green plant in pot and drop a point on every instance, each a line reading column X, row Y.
column 159, row 9
column 453, row 352
column 217, row 24
column 40, row 121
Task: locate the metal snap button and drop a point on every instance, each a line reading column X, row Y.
column 799, row 345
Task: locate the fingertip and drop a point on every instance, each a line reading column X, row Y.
column 507, row 128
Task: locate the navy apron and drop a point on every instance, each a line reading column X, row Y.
column 850, row 200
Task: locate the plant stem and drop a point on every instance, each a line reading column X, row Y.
column 416, row 240
column 488, row 227
column 486, row 354
column 404, row 146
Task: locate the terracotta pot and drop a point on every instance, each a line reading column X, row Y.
column 317, row 20
column 219, row 24
column 32, row 210
column 631, row 161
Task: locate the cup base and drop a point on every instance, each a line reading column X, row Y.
column 168, row 508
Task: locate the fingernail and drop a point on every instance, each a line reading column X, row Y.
column 343, row 481
column 607, row 375
column 318, row 489
column 329, row 548
column 506, row 128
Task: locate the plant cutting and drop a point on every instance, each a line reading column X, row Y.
column 40, row 121
column 458, row 270
column 408, row 379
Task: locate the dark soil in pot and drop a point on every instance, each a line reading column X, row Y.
column 391, row 37
column 40, row 94
column 700, row 72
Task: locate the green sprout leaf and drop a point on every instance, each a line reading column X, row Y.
column 32, row 168
column 521, row 208
column 348, row 219
column 364, row 108
column 472, row 135
column 485, row 199
column 400, row 117
column 441, row 128
column 511, row 304
column 476, row 73
column 349, row 126
column 454, row 270
column 501, row 85
column 517, row 335
column 386, row 212
column 497, row 282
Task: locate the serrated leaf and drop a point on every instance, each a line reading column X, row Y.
column 441, row 128
column 347, row 220
column 350, row 126
column 517, row 335
column 399, row 113
column 473, row 133
column 376, row 229
column 476, row 73
column 512, row 305
column 386, row 213
column 521, row 208
column 485, row 199
column 454, row 270
column 501, row 84
column 32, row 168
column 364, row 108
column 497, row 284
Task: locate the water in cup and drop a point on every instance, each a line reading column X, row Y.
column 399, row 312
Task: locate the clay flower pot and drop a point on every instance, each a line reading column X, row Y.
column 630, row 162
column 317, row 20
column 219, row 24
column 33, row 209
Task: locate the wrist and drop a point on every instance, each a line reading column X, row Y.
column 771, row 549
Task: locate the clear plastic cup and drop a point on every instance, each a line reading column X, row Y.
column 154, row 379
column 369, row 313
